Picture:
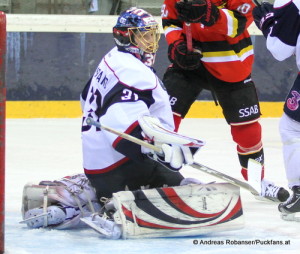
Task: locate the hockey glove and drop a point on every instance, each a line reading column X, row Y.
column 173, row 156
column 264, row 17
column 180, row 56
column 198, row 11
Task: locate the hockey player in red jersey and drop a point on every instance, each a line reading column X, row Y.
column 281, row 27
column 220, row 60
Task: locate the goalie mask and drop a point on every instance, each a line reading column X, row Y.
column 137, row 32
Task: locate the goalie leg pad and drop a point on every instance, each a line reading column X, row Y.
column 74, row 195
column 73, row 191
column 179, row 211
column 54, row 216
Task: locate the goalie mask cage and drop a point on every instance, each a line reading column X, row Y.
column 2, row 125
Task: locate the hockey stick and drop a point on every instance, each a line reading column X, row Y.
column 225, row 177
column 91, row 121
column 258, row 3
column 195, row 165
column 188, row 29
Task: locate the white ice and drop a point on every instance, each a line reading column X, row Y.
column 48, row 149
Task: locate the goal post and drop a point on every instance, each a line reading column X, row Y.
column 2, row 126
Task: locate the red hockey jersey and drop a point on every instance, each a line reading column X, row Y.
column 226, row 46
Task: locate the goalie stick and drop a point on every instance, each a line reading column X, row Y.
column 90, row 121
column 195, row 165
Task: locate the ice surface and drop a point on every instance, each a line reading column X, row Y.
column 48, row 149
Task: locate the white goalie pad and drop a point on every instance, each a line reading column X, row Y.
column 154, row 130
column 188, row 210
column 35, row 195
column 72, row 191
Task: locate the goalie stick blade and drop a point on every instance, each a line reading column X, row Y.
column 229, row 179
column 225, row 177
column 254, row 174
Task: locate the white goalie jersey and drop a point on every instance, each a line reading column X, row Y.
column 122, row 89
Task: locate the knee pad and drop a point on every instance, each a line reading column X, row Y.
column 249, row 145
column 177, row 120
column 247, row 137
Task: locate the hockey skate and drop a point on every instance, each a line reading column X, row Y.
column 290, row 210
column 103, row 225
column 36, row 218
column 272, row 192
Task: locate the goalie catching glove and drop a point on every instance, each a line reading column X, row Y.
column 175, row 150
column 198, row 11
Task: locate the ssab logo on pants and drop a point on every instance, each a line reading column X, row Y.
column 244, row 112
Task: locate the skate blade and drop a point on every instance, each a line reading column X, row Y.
column 290, row 216
column 271, row 200
column 94, row 226
column 34, row 217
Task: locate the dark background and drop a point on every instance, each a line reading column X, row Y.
column 56, row 66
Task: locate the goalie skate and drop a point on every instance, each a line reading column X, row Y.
column 105, row 227
column 188, row 210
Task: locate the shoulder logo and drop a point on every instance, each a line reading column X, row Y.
column 293, row 103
